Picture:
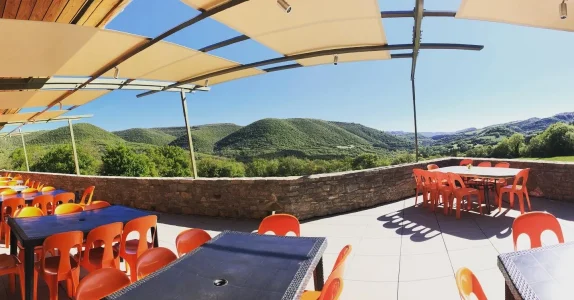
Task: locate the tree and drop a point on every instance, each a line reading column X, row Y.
column 556, row 140
column 171, row 161
column 211, row 167
column 515, row 142
column 61, row 160
column 122, row 161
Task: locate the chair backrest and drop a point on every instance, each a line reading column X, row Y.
column 453, row 179
column 8, row 192
column 43, row 202
column 101, row 283
column 534, row 224
column 140, row 225
column 342, row 257
column 432, row 167
column 17, row 177
column 68, row 208
column 442, row 179
column 105, row 236
column 48, row 189
column 152, row 260
column 97, row 205
column 3, row 182
column 468, row 284
column 27, row 182
column 502, row 165
column 28, row 212
column 11, row 205
column 465, row 162
column 486, row 164
column 280, row 224
column 418, row 175
column 64, row 198
column 12, row 183
column 334, row 284
column 188, row 240
column 430, row 179
column 60, row 244
column 88, row 193
column 40, row 187
column 521, row 178
column 29, row 191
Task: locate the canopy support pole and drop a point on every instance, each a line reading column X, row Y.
column 74, row 147
column 24, row 147
column 415, row 120
column 191, row 151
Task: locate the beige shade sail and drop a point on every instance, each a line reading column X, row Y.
column 38, row 98
column 41, row 49
column 311, row 25
column 534, row 13
column 24, row 117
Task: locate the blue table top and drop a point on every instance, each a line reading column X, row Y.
column 235, row 265
column 31, row 196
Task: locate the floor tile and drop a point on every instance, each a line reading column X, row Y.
column 415, row 245
column 479, row 258
column 335, row 244
column 424, row 266
column 492, row 283
column 332, row 230
column 464, row 239
column 384, row 246
column 369, row 290
column 443, row 288
column 373, row 268
column 383, row 230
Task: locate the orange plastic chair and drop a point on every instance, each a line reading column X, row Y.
column 28, row 212
column 460, row 193
column 47, row 189
column 131, row 250
column 332, row 289
column 418, row 175
column 45, row 203
column 58, row 264
column 430, row 188
column 342, row 257
column 518, row 188
column 68, row 208
column 468, row 284
column 17, row 177
column 152, row 260
column 10, row 265
column 27, row 182
column 29, row 191
column 97, row 205
column 40, row 187
column 12, row 183
column 64, row 198
column 432, row 167
column 485, row 164
column 445, row 191
column 8, row 192
column 502, row 165
column 188, row 240
column 4, row 183
column 88, row 193
column 280, row 224
column 31, row 184
column 9, row 208
column 101, row 283
column 465, row 162
column 99, row 252
column 534, row 224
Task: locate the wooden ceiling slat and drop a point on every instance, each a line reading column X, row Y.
column 70, row 11
column 54, row 10
column 89, row 12
column 25, row 11
column 100, row 13
column 11, row 9
column 2, row 5
column 40, row 10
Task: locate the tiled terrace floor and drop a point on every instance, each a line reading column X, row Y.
column 399, row 251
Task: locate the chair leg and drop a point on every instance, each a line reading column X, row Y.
column 458, row 205
column 6, row 235
column 53, row 287
column 527, row 198
column 12, row 280
column 21, row 279
column 521, row 202
column 479, row 196
column 133, row 272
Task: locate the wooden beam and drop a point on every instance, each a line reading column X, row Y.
column 2, row 6
column 70, row 11
column 11, row 9
column 25, row 10
column 113, row 12
column 105, row 7
column 93, row 7
column 54, row 10
column 40, row 10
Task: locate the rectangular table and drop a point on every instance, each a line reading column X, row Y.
column 481, row 172
column 30, row 196
column 32, row 232
column 236, row 265
column 540, row 273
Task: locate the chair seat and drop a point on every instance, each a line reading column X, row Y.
column 465, row 191
column 308, row 295
column 96, row 255
column 132, row 246
column 509, row 187
column 52, row 263
column 8, row 261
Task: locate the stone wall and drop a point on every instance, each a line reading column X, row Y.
column 302, row 196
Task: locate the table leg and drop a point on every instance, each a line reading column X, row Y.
column 13, row 243
column 29, row 272
column 318, row 276
column 486, row 198
column 155, row 237
column 507, row 293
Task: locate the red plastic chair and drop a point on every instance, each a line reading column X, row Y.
column 10, row 265
column 131, row 250
column 101, row 283
column 465, row 162
column 518, row 188
column 68, row 208
column 280, row 224
column 152, row 260
column 45, row 203
column 432, row 167
column 99, row 250
column 418, row 175
column 534, row 224
column 468, row 284
column 9, row 208
column 462, row 192
column 97, row 205
column 188, row 240
column 58, row 264
column 88, row 193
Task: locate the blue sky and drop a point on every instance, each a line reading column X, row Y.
column 522, row 72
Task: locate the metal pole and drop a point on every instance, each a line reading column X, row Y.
column 74, row 147
column 191, row 152
column 415, row 119
column 25, row 153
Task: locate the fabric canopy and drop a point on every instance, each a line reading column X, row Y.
column 40, row 98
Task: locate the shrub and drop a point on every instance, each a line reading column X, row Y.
column 122, row 161
column 61, row 160
column 211, row 167
column 171, row 161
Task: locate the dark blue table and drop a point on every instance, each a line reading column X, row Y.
column 30, row 196
column 31, row 232
column 236, row 265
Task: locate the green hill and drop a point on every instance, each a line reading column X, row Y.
column 376, row 137
column 145, row 136
column 83, row 133
column 173, row 131
column 204, row 137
